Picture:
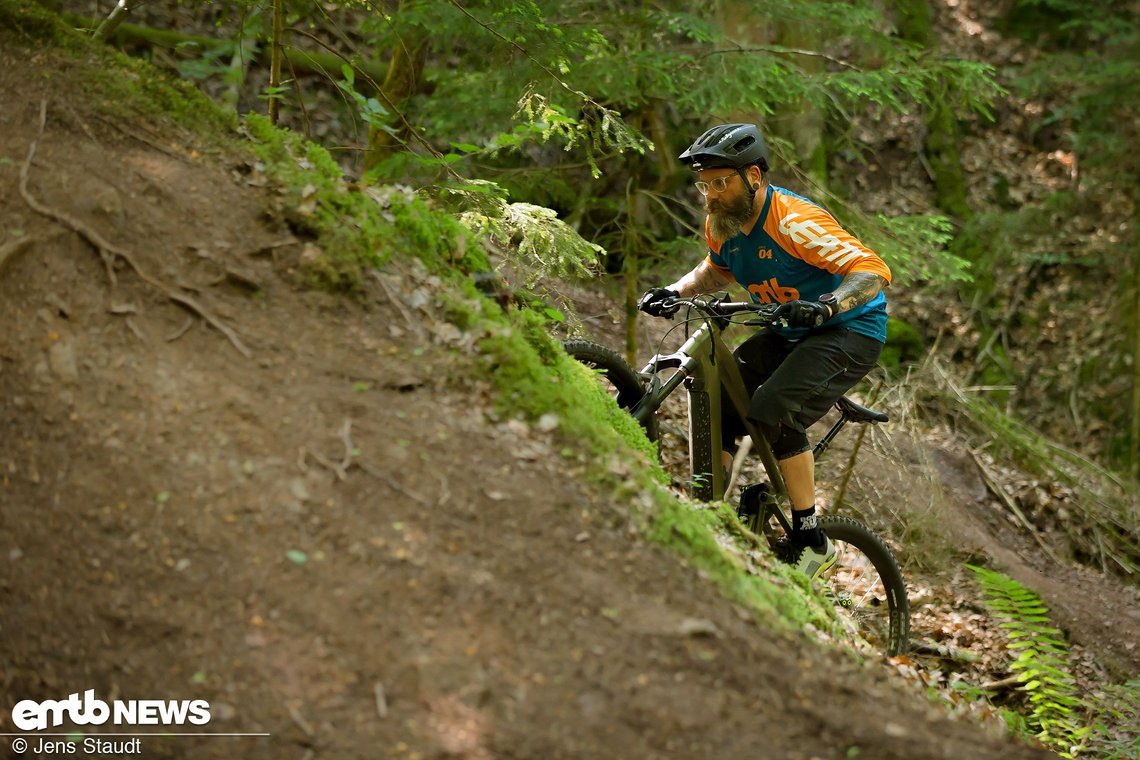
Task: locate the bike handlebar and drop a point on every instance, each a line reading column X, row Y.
column 722, row 309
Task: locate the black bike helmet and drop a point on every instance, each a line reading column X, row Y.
column 729, row 146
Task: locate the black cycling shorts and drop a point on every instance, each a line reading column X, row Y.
column 794, row 383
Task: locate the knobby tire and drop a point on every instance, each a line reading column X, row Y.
column 863, row 540
column 626, row 382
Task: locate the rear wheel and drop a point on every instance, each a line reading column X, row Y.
column 622, row 382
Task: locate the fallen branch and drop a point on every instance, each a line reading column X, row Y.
column 339, row 468
column 738, row 463
column 412, row 322
column 112, row 22
column 107, row 250
column 323, row 462
column 346, row 439
column 381, row 700
column 1002, row 683
column 135, row 329
column 148, row 140
column 400, row 489
column 302, row 61
column 299, row 719
column 943, row 651
column 181, row 330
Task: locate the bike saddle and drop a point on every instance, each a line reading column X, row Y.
column 857, row 413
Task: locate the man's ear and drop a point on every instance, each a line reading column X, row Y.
column 757, row 178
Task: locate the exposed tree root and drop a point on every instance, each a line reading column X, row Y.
column 341, row 467
column 13, row 247
column 108, row 251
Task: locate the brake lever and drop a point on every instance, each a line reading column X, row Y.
column 670, row 307
column 765, row 322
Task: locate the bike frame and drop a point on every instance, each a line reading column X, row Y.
column 706, row 366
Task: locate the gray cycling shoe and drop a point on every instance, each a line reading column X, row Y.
column 814, row 560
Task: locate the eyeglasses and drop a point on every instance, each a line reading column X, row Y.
column 720, row 184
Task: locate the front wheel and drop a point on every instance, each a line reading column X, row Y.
column 867, row 585
column 623, row 383
column 865, row 582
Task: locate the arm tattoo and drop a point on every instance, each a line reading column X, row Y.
column 705, row 278
column 857, row 289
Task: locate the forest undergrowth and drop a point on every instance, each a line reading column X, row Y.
column 956, row 415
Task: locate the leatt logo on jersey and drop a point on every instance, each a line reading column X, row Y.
column 810, row 235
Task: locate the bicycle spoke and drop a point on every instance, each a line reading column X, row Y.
column 858, row 589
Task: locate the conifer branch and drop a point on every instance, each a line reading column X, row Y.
column 782, row 49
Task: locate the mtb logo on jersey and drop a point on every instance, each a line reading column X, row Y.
column 810, row 235
column 770, row 291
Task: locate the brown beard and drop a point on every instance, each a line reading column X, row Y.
column 726, row 219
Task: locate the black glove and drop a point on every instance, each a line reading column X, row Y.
column 653, row 302
column 803, row 313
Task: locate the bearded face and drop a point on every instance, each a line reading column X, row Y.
column 728, row 212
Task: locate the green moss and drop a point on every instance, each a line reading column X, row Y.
column 35, row 23
column 357, row 228
column 535, row 376
column 116, row 83
column 904, row 345
column 785, row 600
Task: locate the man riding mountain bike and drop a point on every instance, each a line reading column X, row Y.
column 783, row 248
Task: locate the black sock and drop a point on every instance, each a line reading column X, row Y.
column 805, row 529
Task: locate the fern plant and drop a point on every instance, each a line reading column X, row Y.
column 1040, row 655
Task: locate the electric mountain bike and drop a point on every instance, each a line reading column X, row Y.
column 865, row 581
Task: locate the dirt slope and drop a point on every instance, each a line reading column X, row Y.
column 330, row 540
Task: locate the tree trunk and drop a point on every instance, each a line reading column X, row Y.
column 1134, row 438
column 942, row 142
column 640, row 231
column 400, row 82
column 804, row 122
column 112, row 22
column 631, row 267
column 275, row 58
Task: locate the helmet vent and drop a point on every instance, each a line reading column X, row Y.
column 742, row 145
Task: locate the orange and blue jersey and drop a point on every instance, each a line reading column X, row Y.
column 797, row 251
